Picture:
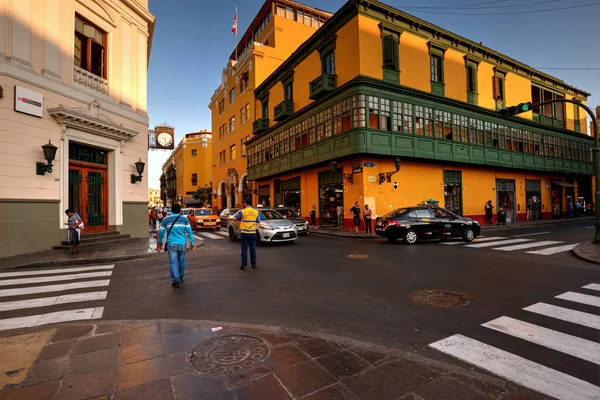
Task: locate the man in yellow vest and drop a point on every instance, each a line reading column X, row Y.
column 249, row 218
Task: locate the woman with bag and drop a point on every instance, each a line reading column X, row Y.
column 75, row 224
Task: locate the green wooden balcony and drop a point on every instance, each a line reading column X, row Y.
column 260, row 125
column 322, row 85
column 283, row 110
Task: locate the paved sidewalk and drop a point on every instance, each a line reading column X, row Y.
column 588, row 252
column 163, row 360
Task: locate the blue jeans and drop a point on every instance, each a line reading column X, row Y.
column 248, row 241
column 176, row 260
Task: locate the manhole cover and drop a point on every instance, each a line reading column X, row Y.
column 442, row 298
column 228, row 354
column 358, row 256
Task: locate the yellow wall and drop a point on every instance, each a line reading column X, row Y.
column 414, row 62
column 455, row 75
column 304, row 73
column 518, row 90
column 370, row 48
column 485, row 74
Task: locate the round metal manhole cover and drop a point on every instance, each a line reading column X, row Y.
column 441, row 298
column 229, row 354
column 358, row 256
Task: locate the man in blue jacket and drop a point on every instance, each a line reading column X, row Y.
column 178, row 231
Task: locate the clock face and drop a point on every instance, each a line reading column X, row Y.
column 164, row 139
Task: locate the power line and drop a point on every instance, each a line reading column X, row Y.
column 461, row 6
column 570, row 68
column 475, row 7
column 511, row 12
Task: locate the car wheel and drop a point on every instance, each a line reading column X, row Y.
column 232, row 236
column 468, row 235
column 410, row 237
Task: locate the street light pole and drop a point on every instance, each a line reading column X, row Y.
column 596, row 153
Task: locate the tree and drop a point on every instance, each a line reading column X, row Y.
column 203, row 194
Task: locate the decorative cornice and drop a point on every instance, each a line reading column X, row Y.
column 91, row 120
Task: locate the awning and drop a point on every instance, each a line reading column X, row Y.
column 563, row 184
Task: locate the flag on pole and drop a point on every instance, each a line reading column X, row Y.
column 234, row 27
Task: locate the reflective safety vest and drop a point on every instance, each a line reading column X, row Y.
column 249, row 217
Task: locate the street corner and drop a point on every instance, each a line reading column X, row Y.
column 19, row 354
column 588, row 252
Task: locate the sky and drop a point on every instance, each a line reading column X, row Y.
column 193, row 41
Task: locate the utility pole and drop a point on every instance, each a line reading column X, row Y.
column 525, row 107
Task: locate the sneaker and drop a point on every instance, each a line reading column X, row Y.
column 175, row 284
column 254, row 266
column 243, row 267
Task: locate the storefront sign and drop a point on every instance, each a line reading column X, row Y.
column 372, row 179
column 356, row 168
column 29, row 102
column 369, row 164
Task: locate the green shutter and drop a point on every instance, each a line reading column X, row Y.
column 390, row 52
column 452, row 176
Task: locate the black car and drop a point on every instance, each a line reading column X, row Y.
column 415, row 223
column 290, row 214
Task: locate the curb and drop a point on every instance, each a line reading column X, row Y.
column 320, row 233
column 577, row 252
column 455, row 369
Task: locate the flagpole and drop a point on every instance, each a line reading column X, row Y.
column 235, row 37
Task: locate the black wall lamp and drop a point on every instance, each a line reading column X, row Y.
column 348, row 177
column 49, row 154
column 387, row 176
column 139, row 166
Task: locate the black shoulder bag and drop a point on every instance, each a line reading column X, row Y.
column 169, row 231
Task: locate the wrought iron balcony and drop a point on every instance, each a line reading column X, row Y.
column 323, row 84
column 260, row 125
column 283, row 110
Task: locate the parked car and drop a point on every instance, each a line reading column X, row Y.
column 225, row 214
column 415, row 223
column 291, row 215
column 271, row 229
column 203, row 218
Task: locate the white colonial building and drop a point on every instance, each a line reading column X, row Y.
column 72, row 72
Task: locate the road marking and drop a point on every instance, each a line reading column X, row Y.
column 592, row 286
column 223, row 233
column 477, row 240
column 208, row 235
column 51, row 301
column 590, row 227
column 517, row 369
column 53, row 288
column 527, row 245
column 531, row 234
column 498, row 243
column 580, row 298
column 51, row 318
column 567, row 344
column 565, row 314
column 54, row 271
column 554, row 250
column 55, row 278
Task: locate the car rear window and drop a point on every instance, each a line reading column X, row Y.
column 396, row 213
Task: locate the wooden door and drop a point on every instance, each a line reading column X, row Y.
column 88, row 196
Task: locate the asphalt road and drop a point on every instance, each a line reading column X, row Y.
column 314, row 285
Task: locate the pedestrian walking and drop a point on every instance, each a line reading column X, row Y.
column 313, row 216
column 153, row 216
column 249, row 218
column 178, row 232
column 368, row 221
column 340, row 216
column 489, row 211
column 75, row 224
column 355, row 210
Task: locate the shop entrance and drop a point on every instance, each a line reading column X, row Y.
column 505, row 190
column 264, row 195
column 291, row 193
column 453, row 192
column 88, row 186
column 533, row 198
column 331, row 195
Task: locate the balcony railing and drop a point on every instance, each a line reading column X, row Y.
column 260, row 125
column 322, row 85
column 283, row 110
column 542, row 119
column 89, row 80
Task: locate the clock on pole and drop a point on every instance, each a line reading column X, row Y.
column 162, row 138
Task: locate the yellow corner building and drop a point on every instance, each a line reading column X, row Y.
column 386, row 109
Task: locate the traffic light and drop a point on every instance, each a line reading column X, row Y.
column 514, row 110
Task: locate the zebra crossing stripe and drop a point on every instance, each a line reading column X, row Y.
column 531, row 234
column 580, row 298
column 51, row 318
column 52, row 301
column 477, row 240
column 592, row 286
column 527, row 245
column 498, row 243
column 567, row 344
column 553, row 250
column 53, row 288
column 208, row 235
column 517, row 369
column 55, row 278
column 54, row 271
column 565, row 314
column 223, row 233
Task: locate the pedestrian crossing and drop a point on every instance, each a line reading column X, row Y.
column 26, row 296
column 517, row 243
column 534, row 375
column 215, row 235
